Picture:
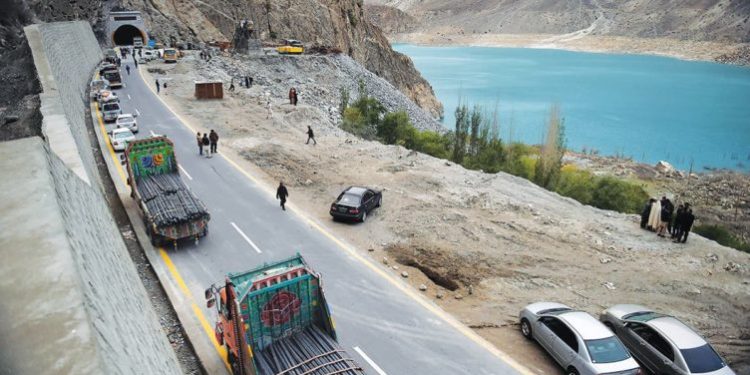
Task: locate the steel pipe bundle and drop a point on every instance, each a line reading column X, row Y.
column 310, row 352
column 169, row 201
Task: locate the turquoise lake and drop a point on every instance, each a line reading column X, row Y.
column 646, row 107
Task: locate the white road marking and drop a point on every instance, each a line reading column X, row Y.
column 370, row 361
column 137, row 111
column 129, row 98
column 184, row 171
column 245, row 237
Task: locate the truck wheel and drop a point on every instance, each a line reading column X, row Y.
column 232, row 361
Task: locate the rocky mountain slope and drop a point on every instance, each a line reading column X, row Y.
column 333, row 23
column 699, row 20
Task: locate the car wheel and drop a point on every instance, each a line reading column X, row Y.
column 380, row 200
column 572, row 371
column 364, row 216
column 526, row 329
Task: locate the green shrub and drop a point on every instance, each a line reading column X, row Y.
column 576, row 184
column 433, row 143
column 722, row 236
column 611, row 193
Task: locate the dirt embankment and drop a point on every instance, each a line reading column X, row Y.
column 479, row 245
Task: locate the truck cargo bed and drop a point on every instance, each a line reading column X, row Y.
column 168, row 200
column 308, row 352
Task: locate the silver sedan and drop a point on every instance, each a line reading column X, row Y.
column 576, row 340
column 662, row 343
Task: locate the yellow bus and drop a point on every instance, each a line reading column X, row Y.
column 170, row 55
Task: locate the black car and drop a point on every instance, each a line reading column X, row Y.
column 355, row 203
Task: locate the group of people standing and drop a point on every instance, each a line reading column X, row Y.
column 659, row 216
column 209, row 140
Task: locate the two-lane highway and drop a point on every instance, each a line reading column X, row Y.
column 387, row 324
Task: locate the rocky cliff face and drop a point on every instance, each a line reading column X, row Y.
column 699, row 20
column 334, row 23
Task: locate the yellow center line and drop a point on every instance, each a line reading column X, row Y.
column 453, row 322
column 165, row 257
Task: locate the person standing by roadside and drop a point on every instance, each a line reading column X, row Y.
column 654, row 217
column 269, row 110
column 645, row 213
column 282, row 194
column 677, row 223
column 293, row 96
column 214, row 138
column 206, row 143
column 231, row 85
column 200, row 143
column 158, row 86
column 686, row 224
column 135, row 61
column 310, row 135
column 666, row 216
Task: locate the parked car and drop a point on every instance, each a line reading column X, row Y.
column 120, row 138
column 127, row 120
column 97, row 85
column 147, row 55
column 355, row 203
column 578, row 342
column 662, row 343
column 110, row 111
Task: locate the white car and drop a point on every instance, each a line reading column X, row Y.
column 120, row 138
column 147, row 55
column 578, row 342
column 127, row 121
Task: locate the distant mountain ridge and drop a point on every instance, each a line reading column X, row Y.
column 699, row 20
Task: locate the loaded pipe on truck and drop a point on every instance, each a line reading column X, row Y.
column 274, row 320
column 171, row 211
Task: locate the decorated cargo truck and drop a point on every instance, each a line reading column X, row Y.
column 171, row 212
column 274, row 319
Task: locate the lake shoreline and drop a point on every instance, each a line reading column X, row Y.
column 723, row 53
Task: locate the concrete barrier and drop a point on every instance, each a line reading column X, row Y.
column 72, row 301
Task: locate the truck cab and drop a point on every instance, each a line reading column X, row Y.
column 137, row 42
column 113, row 76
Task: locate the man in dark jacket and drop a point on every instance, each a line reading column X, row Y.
column 677, row 223
column 310, row 135
column 687, row 224
column 214, row 138
column 646, row 212
column 281, row 194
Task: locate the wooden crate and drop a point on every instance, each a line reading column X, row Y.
column 209, row 90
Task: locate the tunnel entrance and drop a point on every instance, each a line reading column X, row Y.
column 124, row 35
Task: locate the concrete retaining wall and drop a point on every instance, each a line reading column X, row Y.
column 65, row 55
column 73, row 301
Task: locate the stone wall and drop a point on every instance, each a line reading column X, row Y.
column 65, row 55
column 75, row 302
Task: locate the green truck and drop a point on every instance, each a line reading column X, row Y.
column 274, row 319
column 171, row 212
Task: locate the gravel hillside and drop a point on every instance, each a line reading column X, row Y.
column 480, row 245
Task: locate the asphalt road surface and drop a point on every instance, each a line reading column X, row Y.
column 397, row 333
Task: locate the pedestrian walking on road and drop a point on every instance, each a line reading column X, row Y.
column 282, row 194
column 135, row 61
column 199, row 139
column 127, row 69
column 269, row 110
column 214, row 138
column 158, row 86
column 310, row 135
column 206, row 143
column 293, row 96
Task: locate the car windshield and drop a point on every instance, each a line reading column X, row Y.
column 122, row 135
column 349, row 200
column 125, row 120
column 643, row 316
column 111, row 107
column 606, row 350
column 702, row 359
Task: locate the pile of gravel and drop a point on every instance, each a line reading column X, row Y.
column 319, row 80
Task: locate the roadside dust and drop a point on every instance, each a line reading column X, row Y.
column 479, row 245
